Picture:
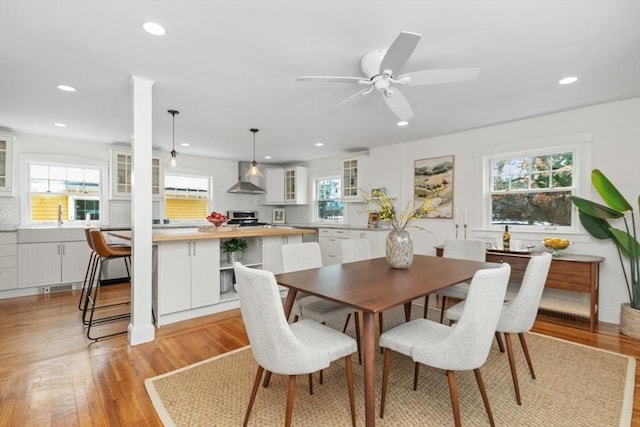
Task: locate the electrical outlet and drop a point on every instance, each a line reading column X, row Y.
column 46, row 290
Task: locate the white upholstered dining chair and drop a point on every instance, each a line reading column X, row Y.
column 294, row 349
column 463, row 346
column 303, row 256
column 517, row 316
column 473, row 250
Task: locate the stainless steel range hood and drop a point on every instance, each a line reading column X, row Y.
column 244, row 186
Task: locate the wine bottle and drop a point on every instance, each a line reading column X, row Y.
column 506, row 237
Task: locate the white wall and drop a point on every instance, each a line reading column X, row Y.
column 615, row 130
column 224, row 173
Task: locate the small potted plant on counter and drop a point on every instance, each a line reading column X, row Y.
column 234, row 248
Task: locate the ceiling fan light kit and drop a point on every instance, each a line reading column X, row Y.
column 380, row 68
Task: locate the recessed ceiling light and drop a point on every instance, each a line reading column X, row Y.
column 403, row 123
column 319, row 144
column 153, row 28
column 267, row 157
column 66, row 88
column 185, row 144
column 60, row 125
column 568, row 80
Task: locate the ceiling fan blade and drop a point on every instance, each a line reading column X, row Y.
column 356, row 96
column 400, row 51
column 332, row 79
column 434, row 77
column 398, row 104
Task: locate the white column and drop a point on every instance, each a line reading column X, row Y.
column 141, row 328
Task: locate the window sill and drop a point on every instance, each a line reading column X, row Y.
column 575, row 237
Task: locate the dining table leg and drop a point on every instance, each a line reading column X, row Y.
column 369, row 351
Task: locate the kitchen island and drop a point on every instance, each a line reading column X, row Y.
column 192, row 277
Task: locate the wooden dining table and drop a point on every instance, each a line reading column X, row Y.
column 372, row 286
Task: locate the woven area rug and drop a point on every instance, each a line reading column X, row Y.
column 575, row 386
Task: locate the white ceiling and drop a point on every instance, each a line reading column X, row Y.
column 228, row 66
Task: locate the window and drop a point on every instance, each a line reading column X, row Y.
column 529, row 189
column 328, row 205
column 75, row 191
column 532, row 190
column 186, row 197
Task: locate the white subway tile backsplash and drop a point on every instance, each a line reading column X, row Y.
column 9, row 211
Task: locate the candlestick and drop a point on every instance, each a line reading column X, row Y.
column 465, row 232
column 456, row 231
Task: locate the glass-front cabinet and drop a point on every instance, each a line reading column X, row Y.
column 354, row 177
column 121, row 179
column 6, row 164
column 296, row 181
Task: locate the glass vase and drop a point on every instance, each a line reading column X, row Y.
column 399, row 249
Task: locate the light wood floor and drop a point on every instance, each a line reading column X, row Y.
column 51, row 375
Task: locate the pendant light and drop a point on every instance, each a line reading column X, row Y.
column 174, row 153
column 253, row 170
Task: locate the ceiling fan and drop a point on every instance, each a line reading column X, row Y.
column 380, row 68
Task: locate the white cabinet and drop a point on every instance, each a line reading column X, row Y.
column 188, row 275
column 275, row 186
column 288, row 186
column 51, row 263
column 355, row 177
column 330, row 244
column 376, row 240
column 8, row 261
column 6, row 164
column 296, row 182
column 121, row 181
column 272, row 251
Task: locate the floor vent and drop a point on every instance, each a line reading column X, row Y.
column 58, row 288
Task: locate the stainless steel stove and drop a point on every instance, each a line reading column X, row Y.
column 245, row 218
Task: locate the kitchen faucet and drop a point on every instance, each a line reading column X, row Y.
column 59, row 214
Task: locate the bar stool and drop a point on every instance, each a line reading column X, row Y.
column 82, row 303
column 103, row 252
column 91, row 271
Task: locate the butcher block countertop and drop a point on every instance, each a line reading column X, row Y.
column 178, row 234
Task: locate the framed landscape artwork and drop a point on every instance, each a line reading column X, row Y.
column 434, row 178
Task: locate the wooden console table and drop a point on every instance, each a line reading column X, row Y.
column 568, row 272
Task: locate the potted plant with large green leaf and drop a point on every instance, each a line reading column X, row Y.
column 595, row 219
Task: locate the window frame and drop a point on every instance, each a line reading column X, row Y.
column 65, row 162
column 210, row 193
column 579, row 144
column 316, row 219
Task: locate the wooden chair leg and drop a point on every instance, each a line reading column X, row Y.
column 499, row 341
column 352, row 404
column 525, row 349
column 311, row 383
column 416, row 371
column 453, row 391
column 267, row 379
column 426, row 306
column 356, row 318
column 385, row 377
column 346, row 323
column 254, row 391
column 442, row 308
column 512, row 366
column 485, row 398
column 291, row 392
column 321, row 377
